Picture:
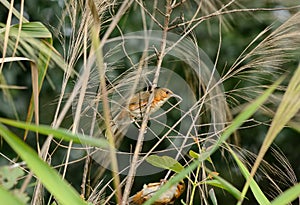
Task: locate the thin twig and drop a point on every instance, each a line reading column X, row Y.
column 151, row 15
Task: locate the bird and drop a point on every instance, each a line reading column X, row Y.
column 137, row 105
column 168, row 197
column 133, row 111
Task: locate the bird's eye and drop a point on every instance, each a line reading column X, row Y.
column 167, row 92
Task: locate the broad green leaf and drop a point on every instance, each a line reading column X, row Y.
column 30, row 29
column 165, row 162
column 60, row 189
column 35, row 30
column 9, row 198
column 57, row 133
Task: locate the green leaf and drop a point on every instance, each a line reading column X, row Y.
column 30, row 29
column 60, row 189
column 213, row 197
column 9, row 176
column 215, row 183
column 257, row 192
column 35, row 44
column 165, row 162
column 288, row 196
column 223, row 184
column 9, row 198
column 57, row 133
column 197, row 155
column 193, row 154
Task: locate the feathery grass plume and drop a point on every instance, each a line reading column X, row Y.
column 258, row 67
column 270, row 56
column 277, row 172
column 288, row 107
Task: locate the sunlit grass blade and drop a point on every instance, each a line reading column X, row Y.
column 294, row 125
column 60, row 133
column 8, row 197
column 237, row 122
column 288, row 196
column 257, row 192
column 62, row 191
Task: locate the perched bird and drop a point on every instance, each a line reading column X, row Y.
column 133, row 111
column 136, row 107
column 137, row 104
column 149, row 190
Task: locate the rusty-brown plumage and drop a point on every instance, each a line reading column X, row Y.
column 138, row 103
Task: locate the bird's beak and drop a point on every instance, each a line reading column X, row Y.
column 177, row 96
